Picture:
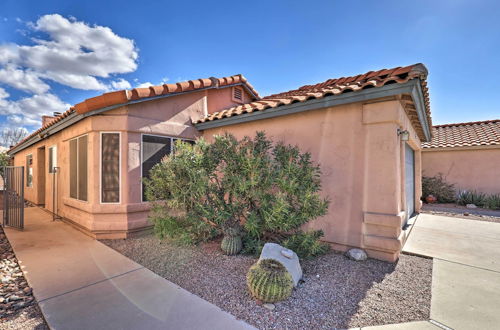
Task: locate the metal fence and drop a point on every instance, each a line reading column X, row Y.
column 13, row 197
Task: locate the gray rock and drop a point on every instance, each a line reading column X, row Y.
column 471, row 206
column 277, row 252
column 271, row 307
column 356, row 254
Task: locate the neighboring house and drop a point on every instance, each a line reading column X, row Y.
column 365, row 131
column 466, row 154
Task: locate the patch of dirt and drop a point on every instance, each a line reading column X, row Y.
column 462, row 212
column 336, row 293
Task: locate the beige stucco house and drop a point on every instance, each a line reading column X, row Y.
column 365, row 131
column 465, row 154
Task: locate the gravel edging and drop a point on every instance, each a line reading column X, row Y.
column 461, row 212
column 18, row 307
column 337, row 292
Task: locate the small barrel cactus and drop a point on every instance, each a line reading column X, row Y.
column 231, row 243
column 269, row 281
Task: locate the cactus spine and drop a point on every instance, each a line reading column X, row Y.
column 231, row 243
column 269, row 281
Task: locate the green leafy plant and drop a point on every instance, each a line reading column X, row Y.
column 439, row 188
column 492, row 202
column 269, row 281
column 4, row 161
column 465, row 197
column 262, row 190
column 307, row 244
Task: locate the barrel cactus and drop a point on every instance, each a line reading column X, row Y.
column 269, row 281
column 231, row 243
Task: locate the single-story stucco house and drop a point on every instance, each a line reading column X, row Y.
column 365, row 131
column 466, row 155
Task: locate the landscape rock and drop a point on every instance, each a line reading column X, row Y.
column 471, row 206
column 278, row 252
column 271, row 307
column 356, row 254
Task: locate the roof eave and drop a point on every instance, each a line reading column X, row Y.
column 75, row 117
column 412, row 87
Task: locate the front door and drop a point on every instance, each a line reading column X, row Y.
column 409, row 180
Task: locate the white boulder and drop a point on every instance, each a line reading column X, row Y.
column 356, row 254
column 284, row 256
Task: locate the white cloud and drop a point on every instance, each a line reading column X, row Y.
column 75, row 54
column 69, row 52
column 120, row 84
column 25, row 80
column 145, row 84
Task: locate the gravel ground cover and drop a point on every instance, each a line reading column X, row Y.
column 461, row 212
column 18, row 307
column 336, row 293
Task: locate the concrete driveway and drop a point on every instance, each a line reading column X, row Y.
column 466, row 269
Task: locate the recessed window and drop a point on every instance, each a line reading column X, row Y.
column 29, row 170
column 110, row 167
column 52, row 159
column 78, row 176
column 154, row 148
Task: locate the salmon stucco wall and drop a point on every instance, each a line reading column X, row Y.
column 362, row 162
column 472, row 168
column 171, row 117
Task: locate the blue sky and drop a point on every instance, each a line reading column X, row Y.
column 277, row 45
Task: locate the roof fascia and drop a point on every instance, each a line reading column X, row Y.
column 411, row 87
column 418, row 99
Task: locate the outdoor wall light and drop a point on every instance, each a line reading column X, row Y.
column 405, row 135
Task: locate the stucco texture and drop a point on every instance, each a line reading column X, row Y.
column 362, row 162
column 472, row 168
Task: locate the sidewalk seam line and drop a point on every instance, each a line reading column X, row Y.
column 462, row 264
column 91, row 284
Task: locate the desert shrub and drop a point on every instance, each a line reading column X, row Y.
column 492, row 202
column 465, row 197
column 263, row 190
column 307, row 244
column 439, row 188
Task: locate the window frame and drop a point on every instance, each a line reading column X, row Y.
column 172, row 138
column 78, row 168
column 119, row 167
column 29, row 184
column 52, row 153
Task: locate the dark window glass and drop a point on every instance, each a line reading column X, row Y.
column 82, row 168
column 78, row 181
column 29, row 171
column 110, row 168
column 154, row 148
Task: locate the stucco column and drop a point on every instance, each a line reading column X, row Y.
column 382, row 216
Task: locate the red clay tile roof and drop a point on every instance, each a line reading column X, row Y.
column 333, row 87
column 124, row 96
column 479, row 133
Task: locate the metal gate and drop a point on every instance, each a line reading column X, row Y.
column 13, row 197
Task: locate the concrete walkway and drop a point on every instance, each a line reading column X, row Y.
column 466, row 270
column 82, row 284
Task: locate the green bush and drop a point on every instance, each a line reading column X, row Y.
column 307, row 244
column 439, row 188
column 465, row 197
column 265, row 191
column 492, row 202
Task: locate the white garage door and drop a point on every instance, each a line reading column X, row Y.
column 409, row 180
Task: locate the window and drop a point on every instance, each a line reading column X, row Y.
column 154, row 148
column 29, row 170
column 78, row 168
column 52, row 158
column 110, row 167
